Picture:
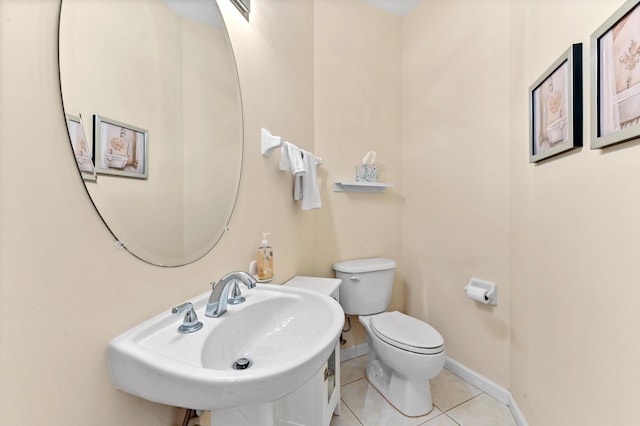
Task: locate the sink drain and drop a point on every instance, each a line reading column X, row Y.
column 241, row 364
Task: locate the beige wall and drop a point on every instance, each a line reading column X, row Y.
column 357, row 109
column 65, row 290
column 455, row 163
column 560, row 238
column 450, row 126
column 574, row 242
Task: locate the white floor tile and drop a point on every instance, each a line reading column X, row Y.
column 353, row 370
column 373, row 410
column 346, row 417
column 441, row 420
column 482, row 410
column 456, row 403
column 449, row 390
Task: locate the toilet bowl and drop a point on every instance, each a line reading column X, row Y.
column 404, row 352
column 399, row 371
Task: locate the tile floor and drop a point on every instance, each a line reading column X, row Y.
column 456, row 403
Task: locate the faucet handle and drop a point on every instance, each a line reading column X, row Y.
column 190, row 322
column 188, row 306
column 235, row 296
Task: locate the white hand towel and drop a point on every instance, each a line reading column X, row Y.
column 291, row 160
column 310, row 191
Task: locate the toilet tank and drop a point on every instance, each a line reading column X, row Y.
column 366, row 285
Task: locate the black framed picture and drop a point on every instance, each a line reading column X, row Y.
column 555, row 107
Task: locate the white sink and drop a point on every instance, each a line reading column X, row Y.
column 287, row 334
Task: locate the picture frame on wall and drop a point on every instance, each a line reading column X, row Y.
column 555, row 107
column 120, row 149
column 615, row 82
column 80, row 146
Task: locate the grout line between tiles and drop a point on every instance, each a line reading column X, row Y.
column 442, row 413
column 351, row 411
column 452, row 419
column 459, row 404
column 352, row 381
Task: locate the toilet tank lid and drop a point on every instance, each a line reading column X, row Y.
column 358, row 266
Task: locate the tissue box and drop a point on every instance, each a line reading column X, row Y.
column 367, row 173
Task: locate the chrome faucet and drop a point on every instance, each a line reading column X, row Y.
column 220, row 292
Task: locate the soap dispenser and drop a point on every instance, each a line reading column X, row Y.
column 265, row 259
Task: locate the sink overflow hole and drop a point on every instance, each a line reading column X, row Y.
column 241, row 364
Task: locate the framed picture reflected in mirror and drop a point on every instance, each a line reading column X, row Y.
column 80, row 146
column 120, row 149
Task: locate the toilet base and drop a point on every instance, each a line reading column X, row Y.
column 411, row 397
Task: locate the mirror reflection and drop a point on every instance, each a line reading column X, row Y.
column 151, row 88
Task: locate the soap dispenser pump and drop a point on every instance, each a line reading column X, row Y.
column 265, row 259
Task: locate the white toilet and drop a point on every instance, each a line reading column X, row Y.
column 404, row 352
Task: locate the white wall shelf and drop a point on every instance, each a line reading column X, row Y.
column 350, row 186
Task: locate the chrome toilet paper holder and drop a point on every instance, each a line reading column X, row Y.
column 482, row 291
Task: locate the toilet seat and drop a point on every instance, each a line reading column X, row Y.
column 407, row 333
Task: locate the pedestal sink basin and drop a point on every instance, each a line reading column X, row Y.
column 286, row 334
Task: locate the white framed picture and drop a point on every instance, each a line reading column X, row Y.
column 80, row 146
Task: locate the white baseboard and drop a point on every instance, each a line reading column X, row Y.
column 477, row 380
column 354, row 351
column 487, row 386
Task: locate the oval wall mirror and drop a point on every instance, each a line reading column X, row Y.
column 151, row 95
